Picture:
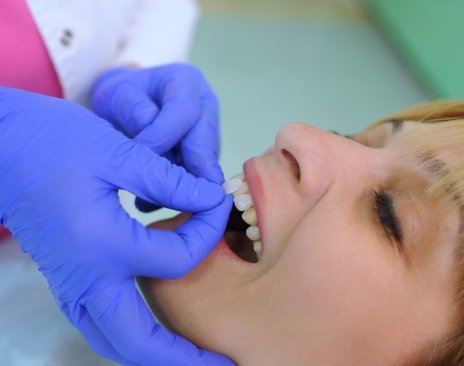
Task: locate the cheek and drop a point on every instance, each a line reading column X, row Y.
column 338, row 278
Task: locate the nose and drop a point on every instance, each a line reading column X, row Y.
column 312, row 156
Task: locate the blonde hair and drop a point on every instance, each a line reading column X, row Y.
column 442, row 132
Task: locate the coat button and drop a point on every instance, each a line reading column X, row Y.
column 66, row 37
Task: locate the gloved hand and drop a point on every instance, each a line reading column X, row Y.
column 171, row 109
column 60, row 169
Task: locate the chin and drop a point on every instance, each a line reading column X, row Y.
column 201, row 306
column 185, row 305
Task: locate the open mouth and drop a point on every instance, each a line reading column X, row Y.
column 236, row 238
column 242, row 233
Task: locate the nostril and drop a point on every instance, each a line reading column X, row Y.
column 293, row 163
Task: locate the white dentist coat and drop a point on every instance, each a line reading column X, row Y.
column 86, row 37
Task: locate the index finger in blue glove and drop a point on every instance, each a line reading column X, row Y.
column 123, row 317
column 200, row 147
column 155, row 179
column 126, row 105
column 175, row 157
column 180, row 100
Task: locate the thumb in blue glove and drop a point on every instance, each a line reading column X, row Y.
column 60, row 168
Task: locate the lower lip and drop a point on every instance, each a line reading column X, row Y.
column 224, row 250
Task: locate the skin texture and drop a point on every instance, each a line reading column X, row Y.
column 332, row 288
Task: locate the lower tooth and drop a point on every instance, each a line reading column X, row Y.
column 253, row 233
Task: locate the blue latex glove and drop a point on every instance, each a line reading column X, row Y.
column 60, row 169
column 169, row 108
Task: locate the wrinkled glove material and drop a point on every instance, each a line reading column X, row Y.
column 171, row 109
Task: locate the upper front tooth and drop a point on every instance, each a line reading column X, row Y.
column 253, row 233
column 232, row 185
column 242, row 189
column 243, row 202
column 249, row 216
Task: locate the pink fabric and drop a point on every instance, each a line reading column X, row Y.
column 3, row 233
column 24, row 60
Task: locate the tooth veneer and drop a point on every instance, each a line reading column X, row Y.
column 243, row 201
column 253, row 233
column 232, row 185
column 249, row 216
column 242, row 189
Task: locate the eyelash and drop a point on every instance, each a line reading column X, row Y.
column 385, row 212
column 339, row 134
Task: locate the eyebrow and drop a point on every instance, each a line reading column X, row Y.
column 433, row 164
column 438, row 168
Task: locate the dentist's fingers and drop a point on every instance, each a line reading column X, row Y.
column 155, row 179
column 172, row 123
column 124, row 318
column 200, row 147
column 180, row 105
column 174, row 156
column 172, row 254
column 126, row 105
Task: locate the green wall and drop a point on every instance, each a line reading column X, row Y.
column 429, row 35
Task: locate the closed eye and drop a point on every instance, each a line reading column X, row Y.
column 385, row 211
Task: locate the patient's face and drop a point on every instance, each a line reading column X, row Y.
column 339, row 283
